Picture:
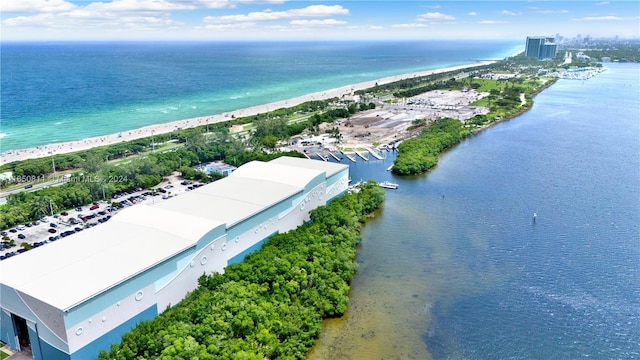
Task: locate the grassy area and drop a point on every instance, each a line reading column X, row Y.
column 489, row 84
column 3, row 355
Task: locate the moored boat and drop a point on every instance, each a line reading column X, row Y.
column 389, row 185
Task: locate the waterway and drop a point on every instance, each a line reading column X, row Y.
column 455, row 267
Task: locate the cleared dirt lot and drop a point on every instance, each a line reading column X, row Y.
column 389, row 122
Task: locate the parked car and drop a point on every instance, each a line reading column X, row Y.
column 52, row 230
column 94, row 207
column 78, row 208
column 53, row 225
column 64, row 213
column 21, row 236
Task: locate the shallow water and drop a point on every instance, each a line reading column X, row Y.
column 455, row 267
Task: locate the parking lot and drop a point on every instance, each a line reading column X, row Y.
column 67, row 223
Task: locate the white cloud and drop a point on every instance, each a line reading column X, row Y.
column 220, row 4
column 473, row 13
column 493, row 22
column 608, row 18
column 259, row 1
column 139, row 14
column 36, row 20
column 510, row 13
column 213, row 4
column 244, row 25
column 317, row 22
column 365, row 27
column 602, row 3
column 434, row 16
column 138, row 5
column 267, row 15
column 564, row 11
column 408, row 26
column 36, row 6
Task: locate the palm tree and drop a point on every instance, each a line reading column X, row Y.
column 40, row 207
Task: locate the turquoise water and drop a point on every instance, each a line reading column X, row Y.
column 54, row 92
column 454, row 267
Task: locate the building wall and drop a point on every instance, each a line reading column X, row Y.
column 49, row 320
column 7, row 333
column 540, row 47
column 548, row 51
column 532, row 48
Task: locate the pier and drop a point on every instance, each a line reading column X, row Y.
column 334, row 156
column 348, row 156
column 374, row 154
column 361, row 155
column 324, row 158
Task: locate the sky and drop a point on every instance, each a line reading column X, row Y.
column 215, row 20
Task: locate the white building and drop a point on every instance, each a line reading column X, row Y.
column 72, row 298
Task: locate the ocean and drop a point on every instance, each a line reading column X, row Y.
column 455, row 267
column 57, row 92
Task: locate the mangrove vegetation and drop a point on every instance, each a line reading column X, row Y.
column 271, row 305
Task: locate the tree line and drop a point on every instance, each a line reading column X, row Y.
column 421, row 153
column 97, row 177
column 271, row 305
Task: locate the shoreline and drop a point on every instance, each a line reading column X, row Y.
column 10, row 156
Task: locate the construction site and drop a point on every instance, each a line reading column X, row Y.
column 389, row 122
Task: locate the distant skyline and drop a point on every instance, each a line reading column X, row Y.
column 214, row 20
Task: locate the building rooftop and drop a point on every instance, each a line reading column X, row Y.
column 232, row 199
column 71, row 270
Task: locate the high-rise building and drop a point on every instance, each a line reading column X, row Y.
column 548, row 51
column 532, row 48
column 541, row 47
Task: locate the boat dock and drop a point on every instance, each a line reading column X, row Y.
column 361, row 155
column 348, row 156
column 324, row 158
column 375, row 154
column 334, row 156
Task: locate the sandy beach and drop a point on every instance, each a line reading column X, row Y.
column 147, row 131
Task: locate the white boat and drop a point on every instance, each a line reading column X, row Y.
column 389, row 185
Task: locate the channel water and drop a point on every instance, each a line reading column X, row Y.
column 456, row 267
